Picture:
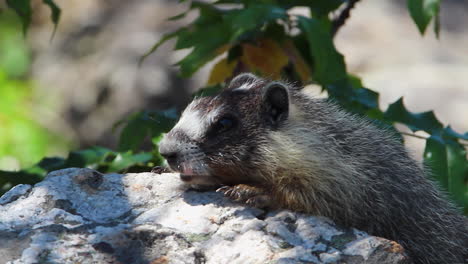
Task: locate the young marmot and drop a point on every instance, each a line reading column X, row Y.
column 270, row 145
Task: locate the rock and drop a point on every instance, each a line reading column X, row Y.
column 83, row 216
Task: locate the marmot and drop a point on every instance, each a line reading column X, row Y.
column 271, row 145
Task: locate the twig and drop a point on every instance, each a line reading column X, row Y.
column 412, row 135
column 425, row 138
column 339, row 21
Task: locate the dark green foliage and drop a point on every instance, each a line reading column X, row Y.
column 101, row 159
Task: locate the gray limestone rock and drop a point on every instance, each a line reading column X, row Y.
column 83, row 216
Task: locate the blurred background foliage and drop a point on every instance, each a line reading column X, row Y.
column 23, row 140
column 233, row 36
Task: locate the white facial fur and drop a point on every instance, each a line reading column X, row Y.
column 194, row 123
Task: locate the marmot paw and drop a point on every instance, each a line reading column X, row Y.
column 250, row 195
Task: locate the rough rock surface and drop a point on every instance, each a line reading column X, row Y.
column 82, row 216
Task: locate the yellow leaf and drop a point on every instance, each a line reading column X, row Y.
column 221, row 71
column 266, row 57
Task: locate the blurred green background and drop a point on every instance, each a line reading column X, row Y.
column 23, row 139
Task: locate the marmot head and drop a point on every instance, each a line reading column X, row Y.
column 216, row 139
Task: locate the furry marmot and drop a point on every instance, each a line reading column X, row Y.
column 271, row 145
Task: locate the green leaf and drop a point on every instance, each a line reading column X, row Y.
column 328, row 65
column 435, row 156
column 199, row 36
column 321, row 8
column 51, row 164
column 127, row 159
column 23, row 10
column 422, row 12
column 457, row 173
column 425, row 121
column 253, row 17
column 55, row 16
column 87, row 157
column 205, row 47
column 364, row 96
column 354, row 97
column 447, row 160
column 144, row 124
column 161, row 121
column 133, row 134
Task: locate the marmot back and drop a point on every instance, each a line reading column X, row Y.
column 272, row 146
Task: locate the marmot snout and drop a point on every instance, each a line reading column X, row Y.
column 270, row 145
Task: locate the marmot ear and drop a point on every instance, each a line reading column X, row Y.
column 241, row 79
column 275, row 103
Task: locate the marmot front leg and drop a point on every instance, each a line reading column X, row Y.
column 250, row 195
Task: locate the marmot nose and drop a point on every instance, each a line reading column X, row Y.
column 168, row 149
column 171, row 158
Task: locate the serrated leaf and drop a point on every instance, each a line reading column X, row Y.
column 23, row 10
column 452, row 133
column 425, row 121
column 55, row 13
column 328, row 64
column 422, row 12
column 265, row 57
column 252, row 17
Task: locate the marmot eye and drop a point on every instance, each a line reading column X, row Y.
column 224, row 124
